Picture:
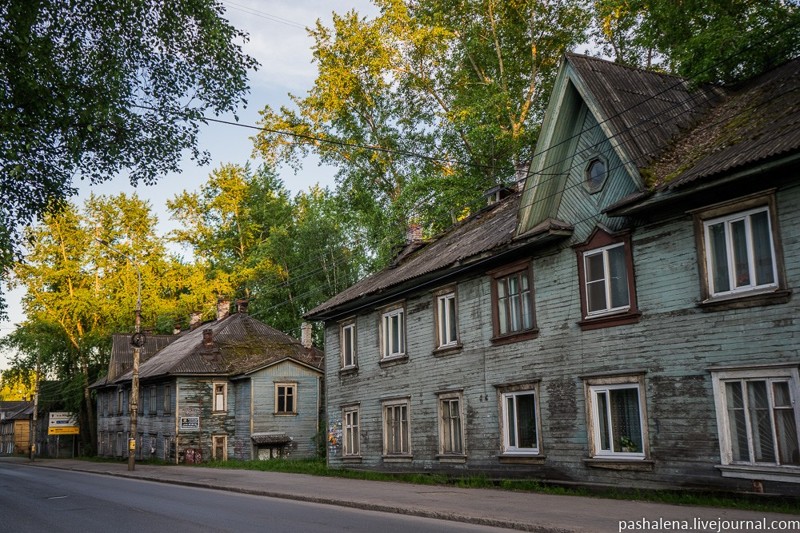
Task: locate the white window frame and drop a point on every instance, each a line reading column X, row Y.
column 392, row 320
column 606, row 279
column 452, row 438
column 220, row 401
column 594, row 388
column 403, row 426
column 727, row 220
column 769, row 374
column 446, row 328
column 289, row 391
column 508, row 448
column 351, row 423
column 347, row 331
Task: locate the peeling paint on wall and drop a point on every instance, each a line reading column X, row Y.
column 334, row 436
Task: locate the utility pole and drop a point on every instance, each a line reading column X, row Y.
column 35, row 411
column 137, row 341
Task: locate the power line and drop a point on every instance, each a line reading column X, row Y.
column 263, row 14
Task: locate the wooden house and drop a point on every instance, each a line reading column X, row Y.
column 15, row 427
column 625, row 318
column 232, row 388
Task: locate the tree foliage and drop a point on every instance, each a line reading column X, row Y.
column 89, row 88
column 81, row 277
column 460, row 85
column 285, row 255
column 704, row 40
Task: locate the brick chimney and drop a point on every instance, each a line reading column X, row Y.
column 413, row 233
column 306, row 337
column 194, row 320
column 241, row 306
column 223, row 308
column 208, row 337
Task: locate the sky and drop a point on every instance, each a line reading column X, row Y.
column 280, row 43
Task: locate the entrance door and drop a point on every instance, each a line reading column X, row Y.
column 219, row 446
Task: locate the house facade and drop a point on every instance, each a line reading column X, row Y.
column 15, row 427
column 233, row 388
column 627, row 317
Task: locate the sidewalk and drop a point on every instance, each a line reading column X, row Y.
column 517, row 510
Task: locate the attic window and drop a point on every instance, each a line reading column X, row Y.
column 595, row 174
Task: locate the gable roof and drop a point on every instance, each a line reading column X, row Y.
column 460, row 248
column 239, row 344
column 758, row 120
column 641, row 110
column 755, row 127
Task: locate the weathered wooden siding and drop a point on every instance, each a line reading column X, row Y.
column 303, row 426
column 674, row 343
column 155, row 425
column 195, row 398
column 242, row 446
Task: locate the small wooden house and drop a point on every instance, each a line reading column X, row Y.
column 233, row 388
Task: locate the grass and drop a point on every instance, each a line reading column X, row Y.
column 318, row 467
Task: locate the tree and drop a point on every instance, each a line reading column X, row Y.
column 704, row 40
column 426, row 106
column 81, row 277
column 90, row 88
column 285, row 255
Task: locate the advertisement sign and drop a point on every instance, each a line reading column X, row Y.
column 63, row 423
column 190, row 423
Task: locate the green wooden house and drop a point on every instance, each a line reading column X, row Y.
column 623, row 314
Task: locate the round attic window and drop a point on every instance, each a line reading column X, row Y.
column 595, row 174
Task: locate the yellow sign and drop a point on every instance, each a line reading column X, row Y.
column 132, row 444
column 67, row 430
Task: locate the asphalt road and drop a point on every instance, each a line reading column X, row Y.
column 47, row 500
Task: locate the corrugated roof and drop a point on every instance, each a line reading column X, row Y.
column 478, row 233
column 122, row 351
column 240, row 343
column 758, row 120
column 643, row 109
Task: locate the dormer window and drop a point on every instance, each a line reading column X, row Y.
column 595, row 174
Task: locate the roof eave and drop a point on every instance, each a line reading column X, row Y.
column 544, row 233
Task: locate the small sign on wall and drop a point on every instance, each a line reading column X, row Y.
column 63, row 423
column 190, row 423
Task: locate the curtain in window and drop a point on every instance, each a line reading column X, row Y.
column 719, row 258
column 762, row 248
column 785, row 426
column 625, row 420
column 740, row 450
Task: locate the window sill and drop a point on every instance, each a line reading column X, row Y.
column 392, row 361
column 614, row 463
column 609, row 321
column 351, row 459
column 745, row 300
column 788, row 474
column 284, row 414
column 447, row 350
column 452, row 458
column 348, row 371
column 398, row 458
column 521, row 459
column 515, row 337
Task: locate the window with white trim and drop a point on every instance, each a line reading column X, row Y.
column 520, row 422
column 347, row 334
column 393, row 333
column 512, row 300
column 352, row 435
column 220, row 394
column 617, row 418
column 606, row 278
column 451, row 424
column 285, row 398
column 446, row 322
column 740, row 253
column 396, row 431
column 758, row 417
